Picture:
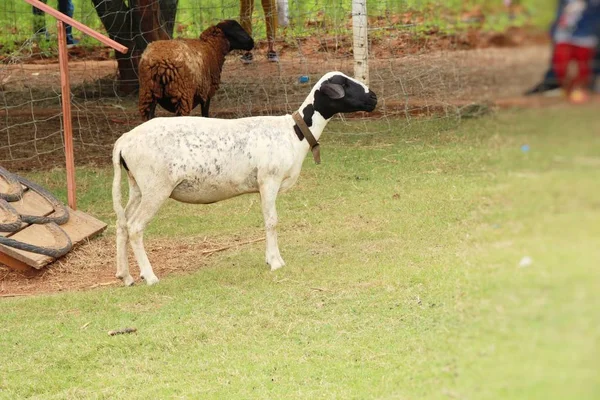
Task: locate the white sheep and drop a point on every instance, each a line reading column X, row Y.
column 200, row 160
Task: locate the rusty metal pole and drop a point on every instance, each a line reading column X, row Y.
column 63, row 59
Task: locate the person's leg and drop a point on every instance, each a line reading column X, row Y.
column 39, row 23
column 270, row 11
column 595, row 84
column 595, row 78
column 66, row 7
column 246, row 9
column 581, row 82
column 560, row 64
column 596, row 61
column 583, row 56
column 550, row 76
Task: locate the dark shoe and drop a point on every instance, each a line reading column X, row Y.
column 542, row 87
column 71, row 42
column 247, row 58
column 272, row 56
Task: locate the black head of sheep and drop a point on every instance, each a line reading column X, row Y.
column 339, row 94
column 236, row 35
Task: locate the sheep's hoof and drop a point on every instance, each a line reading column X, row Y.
column 276, row 264
column 127, row 280
column 150, row 279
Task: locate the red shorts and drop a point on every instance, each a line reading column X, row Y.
column 564, row 54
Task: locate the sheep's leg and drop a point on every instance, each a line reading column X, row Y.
column 135, row 196
column 146, row 103
column 122, row 263
column 268, row 195
column 151, row 109
column 205, row 107
column 122, row 234
column 184, row 106
column 147, row 208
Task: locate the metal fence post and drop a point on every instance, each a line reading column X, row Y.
column 63, row 59
column 360, row 40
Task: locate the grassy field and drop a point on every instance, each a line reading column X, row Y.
column 403, row 279
column 193, row 17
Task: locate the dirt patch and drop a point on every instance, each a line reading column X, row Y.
column 92, row 265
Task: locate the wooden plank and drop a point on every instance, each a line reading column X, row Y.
column 33, row 234
column 31, row 204
column 8, row 234
column 15, row 264
column 79, row 227
column 82, row 226
column 4, row 186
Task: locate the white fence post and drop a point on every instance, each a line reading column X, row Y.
column 283, row 12
column 360, row 40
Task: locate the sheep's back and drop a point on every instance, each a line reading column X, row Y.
column 209, row 60
column 174, row 68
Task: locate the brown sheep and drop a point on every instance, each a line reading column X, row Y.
column 182, row 73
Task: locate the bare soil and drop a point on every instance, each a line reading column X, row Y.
column 91, row 265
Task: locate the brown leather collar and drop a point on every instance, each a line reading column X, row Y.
column 314, row 145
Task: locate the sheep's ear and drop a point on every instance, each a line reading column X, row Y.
column 332, row 90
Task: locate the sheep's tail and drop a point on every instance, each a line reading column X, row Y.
column 162, row 74
column 156, row 76
column 116, row 188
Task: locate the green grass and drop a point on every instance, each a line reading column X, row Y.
column 193, row 17
column 402, row 279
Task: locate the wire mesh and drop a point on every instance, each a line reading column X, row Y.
column 425, row 58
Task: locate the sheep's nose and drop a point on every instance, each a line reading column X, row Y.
column 373, row 97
